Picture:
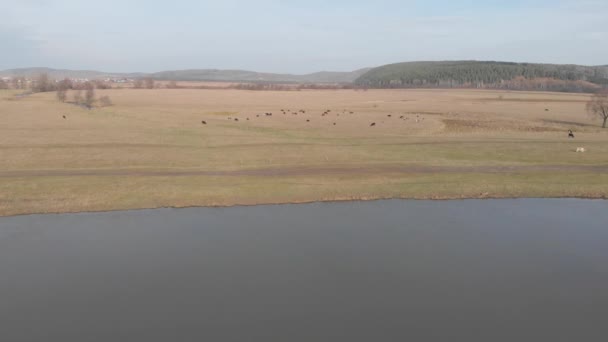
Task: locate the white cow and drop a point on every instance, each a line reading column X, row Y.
column 581, row 149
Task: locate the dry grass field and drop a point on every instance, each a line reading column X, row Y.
column 151, row 149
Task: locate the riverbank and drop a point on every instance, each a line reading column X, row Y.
column 70, row 194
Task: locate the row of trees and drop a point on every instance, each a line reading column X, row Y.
column 87, row 100
column 43, row 83
column 485, row 75
column 84, row 93
column 518, row 83
column 145, row 83
column 15, row 83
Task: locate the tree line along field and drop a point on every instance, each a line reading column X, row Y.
column 191, row 147
column 487, row 75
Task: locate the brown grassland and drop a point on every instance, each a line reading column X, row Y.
column 150, row 149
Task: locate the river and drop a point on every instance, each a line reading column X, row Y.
column 397, row 270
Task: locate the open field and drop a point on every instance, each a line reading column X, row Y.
column 150, row 149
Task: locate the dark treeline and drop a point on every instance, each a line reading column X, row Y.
column 499, row 75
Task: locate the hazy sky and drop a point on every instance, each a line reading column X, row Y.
column 296, row 36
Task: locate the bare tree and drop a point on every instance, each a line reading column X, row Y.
column 3, row 84
column 89, row 95
column 67, row 83
column 62, row 94
column 62, row 89
column 101, row 85
column 598, row 106
column 172, row 85
column 149, row 81
column 138, row 84
column 42, row 84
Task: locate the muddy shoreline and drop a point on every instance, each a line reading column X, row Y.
column 487, row 197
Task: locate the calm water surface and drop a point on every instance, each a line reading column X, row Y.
column 497, row 270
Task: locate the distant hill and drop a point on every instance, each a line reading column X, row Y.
column 195, row 75
column 446, row 74
column 251, row 76
column 478, row 74
column 334, row 77
column 56, row 73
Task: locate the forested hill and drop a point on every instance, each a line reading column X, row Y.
column 474, row 74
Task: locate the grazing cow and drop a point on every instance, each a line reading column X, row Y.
column 390, row 116
column 247, row 119
column 581, row 149
column 236, row 119
column 257, row 116
column 334, row 123
column 204, row 122
column 307, row 120
column 373, row 124
column 64, row 116
column 570, row 134
column 401, row 117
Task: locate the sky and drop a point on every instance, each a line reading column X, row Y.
column 293, row 36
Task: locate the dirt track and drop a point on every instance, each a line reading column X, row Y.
column 308, row 171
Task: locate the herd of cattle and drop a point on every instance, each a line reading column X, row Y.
column 324, row 114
